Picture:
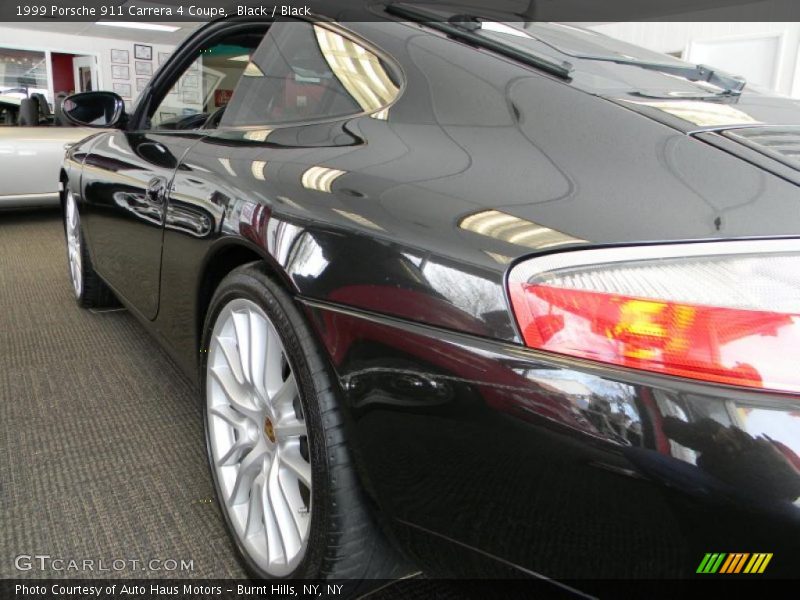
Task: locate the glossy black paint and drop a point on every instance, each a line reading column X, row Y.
column 126, row 176
column 483, row 444
column 468, row 442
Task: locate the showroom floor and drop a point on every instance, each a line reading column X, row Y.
column 101, row 439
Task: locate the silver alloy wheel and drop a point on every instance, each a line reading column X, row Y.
column 258, row 438
column 73, row 228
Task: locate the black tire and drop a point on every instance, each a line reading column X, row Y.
column 344, row 540
column 93, row 292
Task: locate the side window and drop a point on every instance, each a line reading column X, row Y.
column 198, row 99
column 23, row 88
column 303, row 71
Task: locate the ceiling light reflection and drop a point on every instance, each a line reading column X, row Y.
column 358, row 219
column 360, row 71
column 257, row 169
column 320, row 178
column 704, row 114
column 514, row 230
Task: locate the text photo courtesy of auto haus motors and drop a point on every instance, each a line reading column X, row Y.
column 398, row 299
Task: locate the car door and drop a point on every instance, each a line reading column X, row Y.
column 127, row 176
column 286, row 116
column 125, row 181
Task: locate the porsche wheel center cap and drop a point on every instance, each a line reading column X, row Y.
column 269, row 430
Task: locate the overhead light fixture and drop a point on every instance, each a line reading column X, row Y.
column 241, row 58
column 134, row 25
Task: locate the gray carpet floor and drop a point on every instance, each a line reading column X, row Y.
column 101, row 439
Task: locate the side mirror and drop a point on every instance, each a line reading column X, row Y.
column 95, row 109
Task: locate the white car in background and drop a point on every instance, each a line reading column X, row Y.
column 31, row 156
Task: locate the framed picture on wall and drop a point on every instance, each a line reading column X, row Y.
column 144, row 68
column 189, row 82
column 122, row 89
column 120, row 57
column 162, row 58
column 141, row 83
column 142, row 52
column 120, row 72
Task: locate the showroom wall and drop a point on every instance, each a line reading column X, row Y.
column 101, row 47
column 766, row 54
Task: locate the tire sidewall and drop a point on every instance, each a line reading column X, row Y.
column 273, row 301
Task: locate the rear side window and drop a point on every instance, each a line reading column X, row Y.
column 303, row 71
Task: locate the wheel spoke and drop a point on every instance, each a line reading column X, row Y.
column 283, row 399
column 231, row 417
column 292, row 494
column 258, row 350
column 241, row 324
column 232, row 455
column 231, row 353
column 287, row 530
column 255, row 509
column 248, row 469
column 274, row 547
column 273, row 375
column 290, row 427
column 291, row 458
column 236, row 393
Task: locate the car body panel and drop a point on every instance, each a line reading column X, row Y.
column 472, row 445
column 747, row 110
column 382, row 209
column 557, row 466
column 124, row 220
column 30, row 158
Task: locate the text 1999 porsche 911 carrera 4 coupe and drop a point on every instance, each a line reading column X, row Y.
column 484, row 295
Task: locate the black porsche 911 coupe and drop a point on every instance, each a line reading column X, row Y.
column 482, row 295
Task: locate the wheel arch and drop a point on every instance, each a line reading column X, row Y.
column 223, row 258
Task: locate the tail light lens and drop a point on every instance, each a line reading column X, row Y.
column 724, row 312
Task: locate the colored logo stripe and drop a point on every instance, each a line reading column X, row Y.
column 721, row 562
column 734, row 563
column 711, row 562
column 758, row 563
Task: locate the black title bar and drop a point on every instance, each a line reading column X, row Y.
column 582, row 11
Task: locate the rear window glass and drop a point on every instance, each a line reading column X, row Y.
column 302, row 71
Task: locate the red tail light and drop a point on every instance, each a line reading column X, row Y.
column 725, row 312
